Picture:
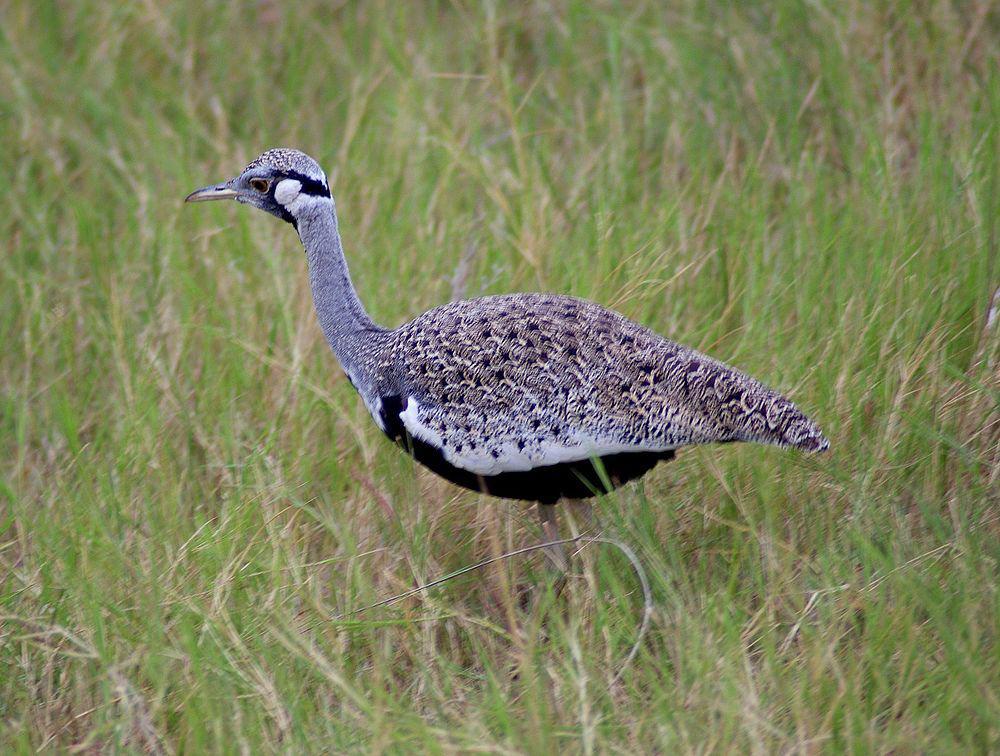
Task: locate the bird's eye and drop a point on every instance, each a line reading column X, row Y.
column 260, row 185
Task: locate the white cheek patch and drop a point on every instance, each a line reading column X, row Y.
column 287, row 191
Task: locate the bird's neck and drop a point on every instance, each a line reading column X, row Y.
column 344, row 320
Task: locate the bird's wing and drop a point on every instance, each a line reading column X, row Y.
column 514, row 382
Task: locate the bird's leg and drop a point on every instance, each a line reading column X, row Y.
column 581, row 515
column 550, row 532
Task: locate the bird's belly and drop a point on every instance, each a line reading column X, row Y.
column 545, row 483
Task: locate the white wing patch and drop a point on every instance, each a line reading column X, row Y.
column 415, row 426
column 497, row 456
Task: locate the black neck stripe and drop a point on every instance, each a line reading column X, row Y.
column 309, row 185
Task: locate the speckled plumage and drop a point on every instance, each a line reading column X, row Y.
column 517, row 395
column 285, row 160
column 522, row 381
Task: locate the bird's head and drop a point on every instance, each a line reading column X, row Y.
column 284, row 182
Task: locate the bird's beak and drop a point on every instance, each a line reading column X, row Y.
column 214, row 192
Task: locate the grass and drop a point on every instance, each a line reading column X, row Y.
column 191, row 493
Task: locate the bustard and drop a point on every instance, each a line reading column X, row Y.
column 521, row 395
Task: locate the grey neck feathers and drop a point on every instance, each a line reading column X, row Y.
column 345, row 323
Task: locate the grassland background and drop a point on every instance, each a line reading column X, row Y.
column 190, row 491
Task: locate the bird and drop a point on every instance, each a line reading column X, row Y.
column 531, row 396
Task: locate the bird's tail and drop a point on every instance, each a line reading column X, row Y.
column 750, row 411
column 787, row 425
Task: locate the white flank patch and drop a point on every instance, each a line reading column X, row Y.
column 411, row 421
column 510, row 458
column 287, row 191
column 576, row 449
